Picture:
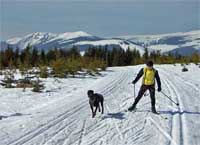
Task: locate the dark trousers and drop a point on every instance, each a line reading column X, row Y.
column 143, row 89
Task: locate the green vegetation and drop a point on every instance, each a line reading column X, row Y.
column 67, row 63
column 59, row 63
column 37, row 86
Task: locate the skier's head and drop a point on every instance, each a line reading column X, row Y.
column 90, row 93
column 149, row 63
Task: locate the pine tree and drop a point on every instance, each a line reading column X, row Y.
column 1, row 60
column 74, row 52
column 43, row 58
column 34, row 57
column 27, row 57
column 90, row 52
column 16, row 58
column 115, row 57
column 8, row 56
column 58, row 67
column 195, row 58
column 128, row 57
column 43, row 72
column 146, row 54
column 8, row 80
column 38, row 86
column 50, row 56
column 72, row 66
column 109, row 58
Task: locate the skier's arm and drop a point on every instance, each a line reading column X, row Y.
column 158, row 79
column 139, row 75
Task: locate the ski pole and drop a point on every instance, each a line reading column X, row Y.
column 170, row 99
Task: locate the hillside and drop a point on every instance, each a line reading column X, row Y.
column 184, row 43
column 67, row 40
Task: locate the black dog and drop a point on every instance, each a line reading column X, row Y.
column 94, row 101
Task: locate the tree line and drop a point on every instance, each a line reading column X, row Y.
column 62, row 62
column 121, row 57
column 70, row 61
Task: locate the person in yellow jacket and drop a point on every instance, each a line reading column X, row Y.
column 148, row 83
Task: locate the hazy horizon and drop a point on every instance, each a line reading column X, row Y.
column 101, row 18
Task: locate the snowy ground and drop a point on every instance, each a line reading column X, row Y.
column 62, row 116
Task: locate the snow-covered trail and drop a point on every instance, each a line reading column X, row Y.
column 69, row 122
column 185, row 120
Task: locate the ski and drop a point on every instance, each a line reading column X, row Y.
column 134, row 110
column 163, row 117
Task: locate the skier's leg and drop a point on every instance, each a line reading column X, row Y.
column 137, row 99
column 140, row 94
column 153, row 100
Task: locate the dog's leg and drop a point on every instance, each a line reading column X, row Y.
column 95, row 111
column 102, row 107
column 92, row 110
column 99, row 108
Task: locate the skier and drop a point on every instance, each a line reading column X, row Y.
column 149, row 74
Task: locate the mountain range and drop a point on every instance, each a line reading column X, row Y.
column 184, row 43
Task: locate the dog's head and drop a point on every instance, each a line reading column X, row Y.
column 90, row 93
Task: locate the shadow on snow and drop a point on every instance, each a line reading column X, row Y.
column 118, row 115
column 172, row 112
column 12, row 115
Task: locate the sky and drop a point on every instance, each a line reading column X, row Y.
column 105, row 18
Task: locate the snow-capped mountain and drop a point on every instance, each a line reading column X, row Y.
column 44, row 40
column 67, row 40
column 183, row 43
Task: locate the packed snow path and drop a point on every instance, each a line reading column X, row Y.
column 63, row 116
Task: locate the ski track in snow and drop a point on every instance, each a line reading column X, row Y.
column 185, row 86
column 75, row 126
column 39, row 131
column 177, row 127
